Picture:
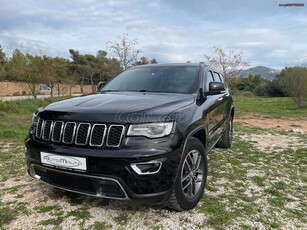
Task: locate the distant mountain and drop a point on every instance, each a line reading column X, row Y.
column 265, row 72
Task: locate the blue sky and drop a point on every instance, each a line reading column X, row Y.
column 169, row 30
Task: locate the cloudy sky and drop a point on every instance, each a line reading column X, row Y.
column 169, row 30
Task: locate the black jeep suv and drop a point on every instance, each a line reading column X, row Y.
column 144, row 136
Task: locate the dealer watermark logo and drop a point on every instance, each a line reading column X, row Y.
column 63, row 161
column 145, row 114
column 291, row 5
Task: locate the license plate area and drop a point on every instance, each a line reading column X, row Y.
column 64, row 162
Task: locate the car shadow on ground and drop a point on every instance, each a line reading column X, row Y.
column 74, row 199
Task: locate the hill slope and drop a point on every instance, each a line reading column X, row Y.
column 265, row 72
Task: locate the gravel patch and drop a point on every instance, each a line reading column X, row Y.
column 268, row 142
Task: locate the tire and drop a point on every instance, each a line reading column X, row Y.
column 226, row 139
column 191, row 177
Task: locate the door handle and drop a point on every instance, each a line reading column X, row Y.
column 220, row 99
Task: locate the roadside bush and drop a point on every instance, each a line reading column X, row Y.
column 295, row 83
column 247, row 94
column 261, row 90
column 271, row 89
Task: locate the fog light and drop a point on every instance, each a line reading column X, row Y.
column 33, row 173
column 147, row 168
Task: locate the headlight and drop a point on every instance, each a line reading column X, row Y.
column 34, row 118
column 151, row 130
column 34, row 123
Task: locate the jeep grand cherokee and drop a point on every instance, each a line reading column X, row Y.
column 144, row 136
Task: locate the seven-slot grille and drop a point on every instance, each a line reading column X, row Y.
column 80, row 133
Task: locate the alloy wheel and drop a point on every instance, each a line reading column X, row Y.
column 192, row 174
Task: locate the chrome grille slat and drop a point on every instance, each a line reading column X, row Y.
column 69, row 132
column 98, row 135
column 80, row 133
column 47, row 128
column 39, row 128
column 115, row 135
column 83, row 132
column 57, row 131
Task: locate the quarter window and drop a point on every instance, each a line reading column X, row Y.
column 209, row 78
column 217, row 77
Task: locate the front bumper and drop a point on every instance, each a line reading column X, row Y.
column 109, row 173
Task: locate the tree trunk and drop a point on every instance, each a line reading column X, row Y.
column 51, row 91
column 81, row 86
column 32, row 87
column 93, row 85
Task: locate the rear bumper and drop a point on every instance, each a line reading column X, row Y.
column 109, row 173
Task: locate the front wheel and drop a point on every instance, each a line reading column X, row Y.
column 191, row 178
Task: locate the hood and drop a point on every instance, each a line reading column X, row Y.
column 117, row 107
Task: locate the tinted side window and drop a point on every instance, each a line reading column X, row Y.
column 210, row 76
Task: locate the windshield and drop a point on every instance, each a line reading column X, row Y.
column 168, row 79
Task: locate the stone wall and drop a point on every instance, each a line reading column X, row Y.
column 20, row 88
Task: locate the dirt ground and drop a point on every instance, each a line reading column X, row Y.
column 285, row 124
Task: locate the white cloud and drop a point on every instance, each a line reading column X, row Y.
column 249, row 44
column 171, row 31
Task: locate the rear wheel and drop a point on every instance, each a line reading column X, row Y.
column 226, row 139
column 191, row 179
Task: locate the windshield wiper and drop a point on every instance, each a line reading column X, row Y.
column 152, row 91
column 109, row 90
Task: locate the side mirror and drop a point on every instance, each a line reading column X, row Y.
column 100, row 85
column 215, row 88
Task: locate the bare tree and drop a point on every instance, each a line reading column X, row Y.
column 125, row 50
column 229, row 63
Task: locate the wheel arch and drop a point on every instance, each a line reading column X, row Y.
column 232, row 112
column 199, row 133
